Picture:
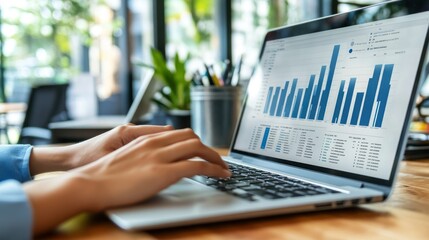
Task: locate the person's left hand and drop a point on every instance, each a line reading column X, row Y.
column 46, row 159
column 99, row 146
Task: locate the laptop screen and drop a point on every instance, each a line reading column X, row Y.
column 335, row 99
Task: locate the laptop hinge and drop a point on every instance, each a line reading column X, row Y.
column 236, row 156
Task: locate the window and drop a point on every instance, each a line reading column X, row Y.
column 46, row 43
column 348, row 5
column 36, row 45
column 253, row 18
column 191, row 29
column 141, row 37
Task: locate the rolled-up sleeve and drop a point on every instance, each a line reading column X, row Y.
column 16, row 214
column 14, row 162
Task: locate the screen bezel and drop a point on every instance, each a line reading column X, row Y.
column 142, row 102
column 348, row 19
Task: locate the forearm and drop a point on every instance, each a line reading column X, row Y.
column 48, row 159
column 57, row 199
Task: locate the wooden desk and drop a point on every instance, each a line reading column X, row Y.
column 404, row 216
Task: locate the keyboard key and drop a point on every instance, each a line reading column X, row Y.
column 254, row 181
column 285, row 195
column 259, row 192
column 242, row 184
column 242, row 193
column 270, row 196
column 251, row 187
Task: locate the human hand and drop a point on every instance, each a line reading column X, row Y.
column 149, row 164
column 45, row 159
column 99, row 146
column 128, row 175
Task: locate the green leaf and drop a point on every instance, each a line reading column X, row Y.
column 178, row 96
column 166, row 95
column 142, row 64
column 161, row 68
column 163, row 73
column 181, row 80
column 161, row 104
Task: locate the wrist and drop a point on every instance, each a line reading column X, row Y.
column 82, row 191
column 49, row 197
column 87, row 188
column 43, row 159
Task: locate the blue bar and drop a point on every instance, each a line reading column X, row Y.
column 282, row 100
column 316, row 95
column 377, row 108
column 265, row 138
column 267, row 102
column 289, row 100
column 339, row 102
column 275, row 100
column 348, row 101
column 383, row 94
column 297, row 103
column 306, row 100
column 356, row 108
column 371, row 90
column 325, row 94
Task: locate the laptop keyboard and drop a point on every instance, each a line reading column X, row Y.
column 253, row 184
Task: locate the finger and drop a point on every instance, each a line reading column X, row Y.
column 192, row 168
column 189, row 149
column 129, row 132
column 167, row 138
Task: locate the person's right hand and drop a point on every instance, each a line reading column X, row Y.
column 128, row 175
column 149, row 164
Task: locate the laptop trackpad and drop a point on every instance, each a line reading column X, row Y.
column 185, row 201
column 187, row 190
column 182, row 196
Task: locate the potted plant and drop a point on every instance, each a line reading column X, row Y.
column 174, row 97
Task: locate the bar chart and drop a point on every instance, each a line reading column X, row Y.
column 356, row 108
column 336, row 99
column 365, row 101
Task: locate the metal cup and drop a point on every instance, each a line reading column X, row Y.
column 214, row 113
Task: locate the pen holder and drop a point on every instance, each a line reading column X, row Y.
column 214, row 113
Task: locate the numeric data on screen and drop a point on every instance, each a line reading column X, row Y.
column 336, row 99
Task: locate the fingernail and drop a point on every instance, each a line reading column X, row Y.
column 227, row 173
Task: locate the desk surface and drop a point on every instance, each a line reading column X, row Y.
column 404, row 216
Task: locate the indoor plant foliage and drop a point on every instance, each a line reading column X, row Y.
column 175, row 95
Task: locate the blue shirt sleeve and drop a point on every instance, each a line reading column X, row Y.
column 14, row 162
column 16, row 214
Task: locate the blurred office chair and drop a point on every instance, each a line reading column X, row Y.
column 46, row 104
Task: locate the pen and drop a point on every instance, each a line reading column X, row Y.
column 226, row 72
column 217, row 82
column 236, row 75
column 209, row 77
column 196, row 79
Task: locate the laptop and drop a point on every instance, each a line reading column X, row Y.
column 138, row 113
column 323, row 125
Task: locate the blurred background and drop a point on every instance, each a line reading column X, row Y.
column 91, row 45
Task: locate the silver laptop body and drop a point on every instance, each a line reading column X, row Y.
column 328, row 107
